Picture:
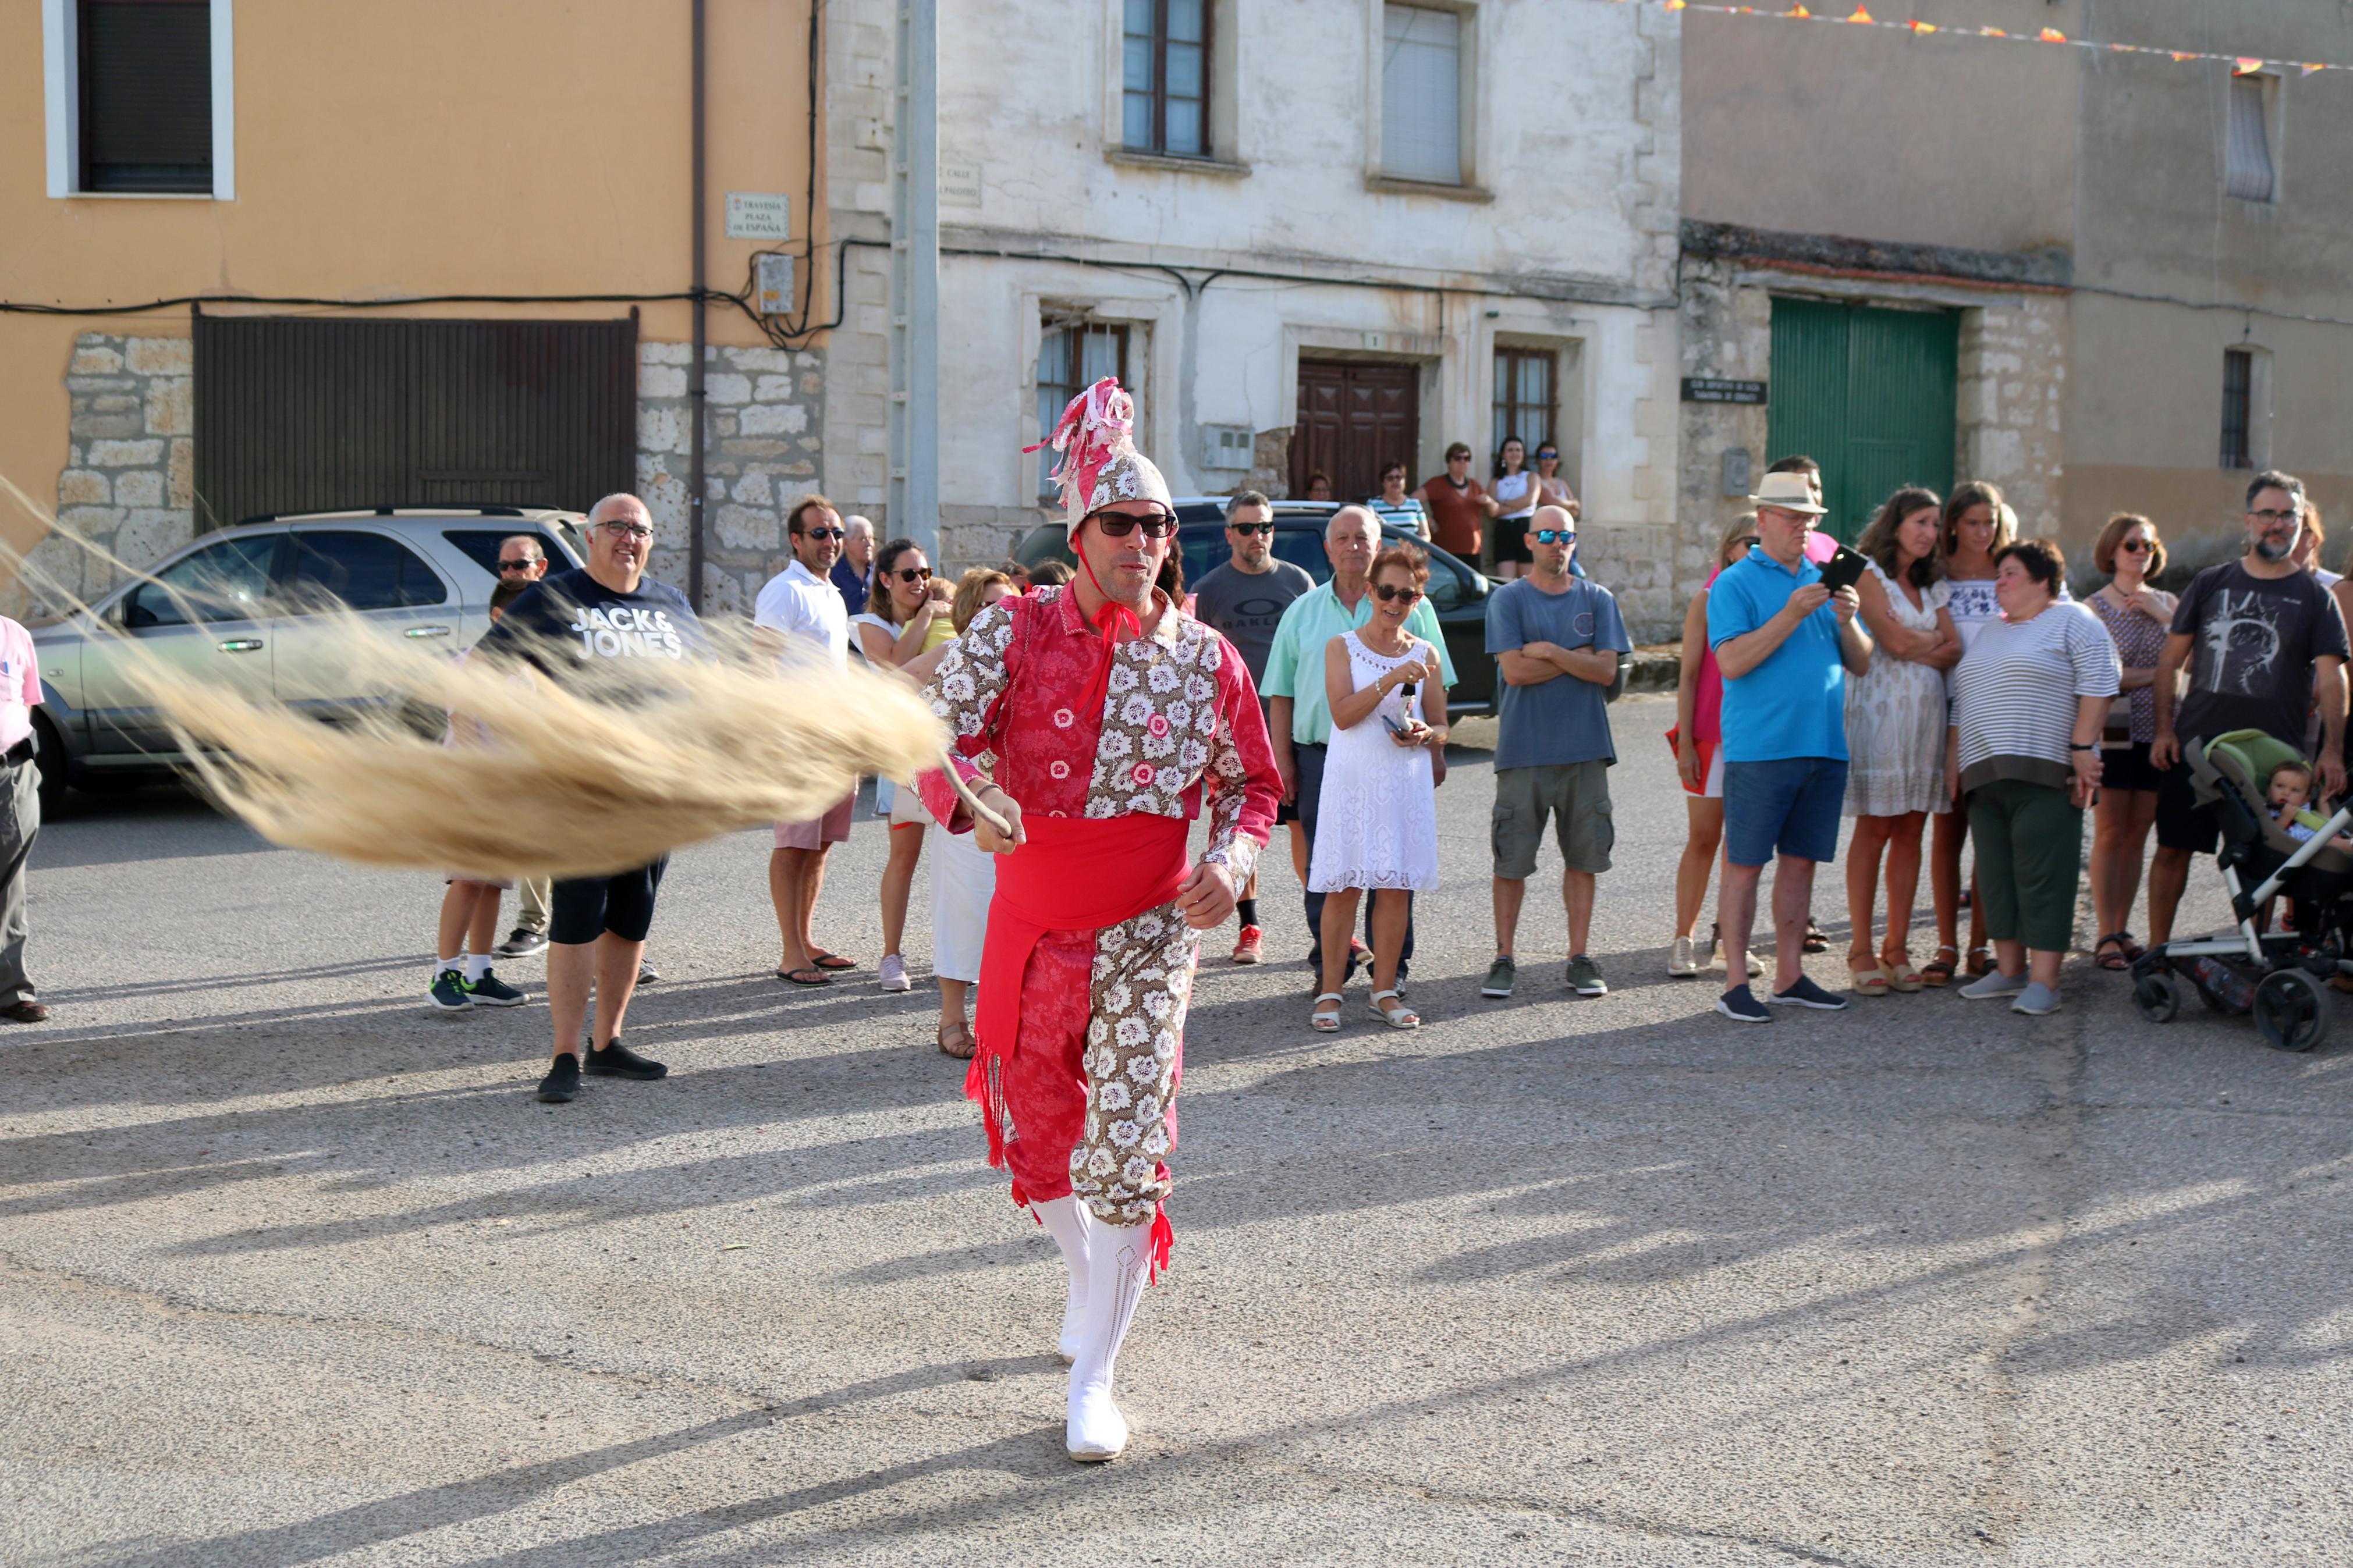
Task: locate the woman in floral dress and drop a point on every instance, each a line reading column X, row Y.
column 1895, row 732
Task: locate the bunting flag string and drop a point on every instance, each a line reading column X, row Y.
column 2241, row 65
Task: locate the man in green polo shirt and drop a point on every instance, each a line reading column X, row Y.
column 1298, row 715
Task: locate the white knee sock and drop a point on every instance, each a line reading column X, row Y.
column 1071, row 1228
column 1119, row 1261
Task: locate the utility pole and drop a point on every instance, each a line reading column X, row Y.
column 915, row 280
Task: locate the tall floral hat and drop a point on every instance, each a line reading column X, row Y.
column 1100, row 462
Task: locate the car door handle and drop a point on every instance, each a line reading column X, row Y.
column 241, row 645
column 426, row 632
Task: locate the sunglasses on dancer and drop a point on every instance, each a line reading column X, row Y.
column 1157, row 524
column 1389, row 592
column 1554, row 536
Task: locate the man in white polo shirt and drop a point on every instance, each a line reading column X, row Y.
column 801, row 622
column 20, row 814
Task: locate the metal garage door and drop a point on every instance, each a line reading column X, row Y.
column 331, row 416
column 1869, row 394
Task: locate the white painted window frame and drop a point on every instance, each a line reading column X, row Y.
column 61, row 102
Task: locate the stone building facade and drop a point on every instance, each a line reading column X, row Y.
column 127, row 489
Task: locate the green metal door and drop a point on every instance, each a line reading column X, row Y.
column 1868, row 394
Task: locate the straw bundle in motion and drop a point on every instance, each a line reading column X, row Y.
column 585, row 778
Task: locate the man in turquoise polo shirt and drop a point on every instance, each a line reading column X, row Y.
column 1785, row 644
column 1298, row 715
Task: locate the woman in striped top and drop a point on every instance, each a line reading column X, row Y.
column 2029, row 699
column 1394, row 506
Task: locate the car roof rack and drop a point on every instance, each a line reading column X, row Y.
column 493, row 510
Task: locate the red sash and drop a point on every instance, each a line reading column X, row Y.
column 1070, row 874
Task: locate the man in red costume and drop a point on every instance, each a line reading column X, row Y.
column 1114, row 720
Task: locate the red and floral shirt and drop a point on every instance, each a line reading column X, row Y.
column 1179, row 725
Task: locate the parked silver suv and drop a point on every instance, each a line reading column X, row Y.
column 241, row 605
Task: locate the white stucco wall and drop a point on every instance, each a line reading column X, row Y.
column 1565, row 238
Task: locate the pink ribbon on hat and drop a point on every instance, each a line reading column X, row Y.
column 1094, row 426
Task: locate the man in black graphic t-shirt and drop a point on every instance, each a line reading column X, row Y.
column 603, row 615
column 2261, row 640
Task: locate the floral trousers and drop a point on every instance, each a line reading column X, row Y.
column 1086, row 1102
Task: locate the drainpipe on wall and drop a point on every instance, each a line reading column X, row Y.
column 694, row 399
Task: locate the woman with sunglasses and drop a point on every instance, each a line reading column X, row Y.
column 1376, row 817
column 1698, row 738
column 2136, row 617
column 903, row 618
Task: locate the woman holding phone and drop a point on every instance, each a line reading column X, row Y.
column 1377, row 819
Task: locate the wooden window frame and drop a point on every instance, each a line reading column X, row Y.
column 1505, row 411
column 1158, row 93
column 1074, row 329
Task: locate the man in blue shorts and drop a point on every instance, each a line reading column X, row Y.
column 1784, row 642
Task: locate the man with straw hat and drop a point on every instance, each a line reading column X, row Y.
column 1785, row 642
column 1114, row 720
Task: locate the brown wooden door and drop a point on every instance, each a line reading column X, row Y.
column 1353, row 417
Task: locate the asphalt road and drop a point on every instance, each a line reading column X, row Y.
column 292, row 1271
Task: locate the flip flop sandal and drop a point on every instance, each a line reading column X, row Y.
column 1871, row 981
column 1939, row 971
column 1324, row 1023
column 806, row 976
column 1397, row 1017
column 832, row 961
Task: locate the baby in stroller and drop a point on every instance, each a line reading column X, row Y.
column 2289, row 791
column 2272, row 844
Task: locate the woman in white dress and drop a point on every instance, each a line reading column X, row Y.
column 1518, row 491
column 905, row 616
column 1895, row 733
column 1377, row 822
column 1976, row 525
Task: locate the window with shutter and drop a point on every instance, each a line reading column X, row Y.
column 2247, row 148
column 2238, row 409
column 146, row 86
column 1422, row 94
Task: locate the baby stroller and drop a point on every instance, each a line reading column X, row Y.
column 2279, row 976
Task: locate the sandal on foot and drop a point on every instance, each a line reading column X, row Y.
column 833, row 960
column 1397, row 1017
column 1980, row 960
column 810, row 976
column 1324, row 1023
column 2133, row 951
column 1815, row 941
column 2116, row 959
column 1938, row 971
column 1901, row 975
column 1870, row 982
column 970, row 1045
